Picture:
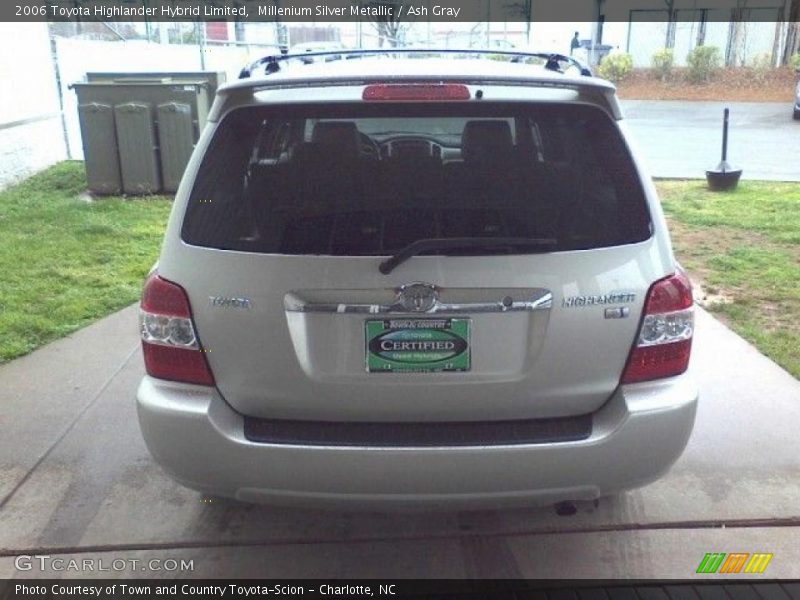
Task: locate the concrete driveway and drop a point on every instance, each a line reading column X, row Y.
column 683, row 139
column 77, row 482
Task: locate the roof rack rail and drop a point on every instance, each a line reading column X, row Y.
column 553, row 61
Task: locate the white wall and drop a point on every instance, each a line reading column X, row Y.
column 28, row 93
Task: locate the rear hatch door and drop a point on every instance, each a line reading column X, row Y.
column 294, row 208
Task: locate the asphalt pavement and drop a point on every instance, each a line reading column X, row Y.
column 682, row 139
column 76, row 481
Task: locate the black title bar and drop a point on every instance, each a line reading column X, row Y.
column 512, row 589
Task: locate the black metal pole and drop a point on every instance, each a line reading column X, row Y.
column 725, row 136
column 724, row 177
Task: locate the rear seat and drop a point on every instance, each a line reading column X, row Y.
column 488, row 171
column 486, row 184
column 508, row 190
column 409, row 181
column 325, row 177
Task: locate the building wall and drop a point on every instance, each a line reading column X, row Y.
column 31, row 134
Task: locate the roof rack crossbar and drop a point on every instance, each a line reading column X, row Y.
column 552, row 60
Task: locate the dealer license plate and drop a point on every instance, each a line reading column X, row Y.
column 418, row 345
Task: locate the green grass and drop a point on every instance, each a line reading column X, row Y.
column 744, row 247
column 65, row 261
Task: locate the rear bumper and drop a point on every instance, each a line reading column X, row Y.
column 196, row 437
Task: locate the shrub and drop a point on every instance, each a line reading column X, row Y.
column 703, row 63
column 662, row 62
column 794, row 61
column 761, row 65
column 616, row 67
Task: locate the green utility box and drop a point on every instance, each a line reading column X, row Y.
column 139, row 129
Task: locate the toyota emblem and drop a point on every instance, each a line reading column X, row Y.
column 417, row 297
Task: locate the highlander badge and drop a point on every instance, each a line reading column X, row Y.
column 612, row 298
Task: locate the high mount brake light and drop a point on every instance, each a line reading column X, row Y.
column 169, row 341
column 410, row 92
column 664, row 342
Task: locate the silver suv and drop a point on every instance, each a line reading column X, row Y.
column 796, row 113
column 416, row 281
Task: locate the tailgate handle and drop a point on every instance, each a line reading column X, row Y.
column 542, row 300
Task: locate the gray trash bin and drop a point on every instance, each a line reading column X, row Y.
column 213, row 79
column 138, row 151
column 100, row 147
column 176, row 138
column 139, row 130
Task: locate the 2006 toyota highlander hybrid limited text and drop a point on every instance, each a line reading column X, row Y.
column 415, row 281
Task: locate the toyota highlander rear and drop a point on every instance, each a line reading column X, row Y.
column 416, row 289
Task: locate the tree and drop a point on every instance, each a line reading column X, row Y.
column 524, row 8
column 669, row 42
column 737, row 38
column 792, row 45
column 390, row 26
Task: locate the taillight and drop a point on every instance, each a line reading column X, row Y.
column 169, row 341
column 406, row 92
column 664, row 343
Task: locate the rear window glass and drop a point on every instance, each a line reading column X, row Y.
column 369, row 179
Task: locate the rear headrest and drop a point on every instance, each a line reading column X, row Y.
column 486, row 141
column 343, row 135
